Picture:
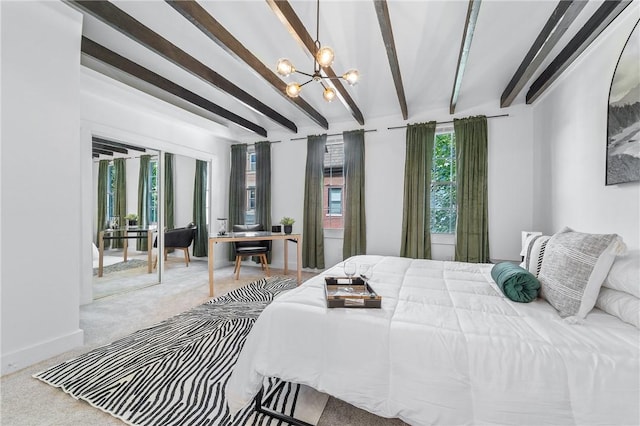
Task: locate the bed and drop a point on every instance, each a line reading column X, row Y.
column 447, row 347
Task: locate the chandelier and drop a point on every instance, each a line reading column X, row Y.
column 323, row 58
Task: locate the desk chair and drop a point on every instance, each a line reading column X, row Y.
column 178, row 239
column 251, row 248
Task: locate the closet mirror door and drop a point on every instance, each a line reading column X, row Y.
column 185, row 194
column 127, row 186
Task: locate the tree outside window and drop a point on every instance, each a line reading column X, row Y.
column 152, row 194
column 443, row 184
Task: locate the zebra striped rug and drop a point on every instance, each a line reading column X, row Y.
column 175, row 372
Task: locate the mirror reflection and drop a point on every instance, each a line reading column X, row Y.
column 126, row 217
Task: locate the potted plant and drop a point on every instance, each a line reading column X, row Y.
column 287, row 222
column 132, row 219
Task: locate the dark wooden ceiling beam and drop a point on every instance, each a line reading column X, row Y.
column 601, row 18
column 102, row 152
column 118, row 144
column 206, row 23
column 115, row 60
column 465, row 47
column 561, row 18
column 126, row 24
column 98, row 145
column 292, row 22
column 382, row 10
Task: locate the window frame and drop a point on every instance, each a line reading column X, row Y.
column 152, row 194
column 451, row 183
column 333, row 178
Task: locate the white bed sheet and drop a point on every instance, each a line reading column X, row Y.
column 446, row 348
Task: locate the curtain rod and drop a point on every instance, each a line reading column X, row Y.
column 253, row 143
column 333, row 134
column 447, row 122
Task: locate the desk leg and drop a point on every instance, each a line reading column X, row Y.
column 286, row 256
column 211, row 260
column 149, row 251
column 100, row 257
column 125, row 244
column 299, row 259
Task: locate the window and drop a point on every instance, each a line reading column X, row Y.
column 443, row 184
column 111, row 190
column 251, row 159
column 250, row 213
column 333, row 207
column 335, row 201
column 152, row 194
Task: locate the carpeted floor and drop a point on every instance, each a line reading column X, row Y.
column 176, row 372
column 28, row 402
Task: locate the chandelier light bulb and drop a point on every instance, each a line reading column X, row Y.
column 325, row 56
column 293, row 89
column 329, row 94
column 352, row 76
column 285, row 67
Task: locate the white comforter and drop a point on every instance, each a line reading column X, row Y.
column 446, row 348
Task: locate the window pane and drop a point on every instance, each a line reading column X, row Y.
column 442, row 147
column 335, row 201
column 442, row 169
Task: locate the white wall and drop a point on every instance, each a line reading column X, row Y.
column 510, row 182
column 41, row 190
column 114, row 111
column 570, row 130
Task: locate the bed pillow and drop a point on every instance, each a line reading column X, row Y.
column 625, row 274
column 534, row 253
column 573, row 268
column 516, row 283
column 620, row 304
column 95, row 252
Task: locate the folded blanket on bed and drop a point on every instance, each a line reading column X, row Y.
column 516, row 283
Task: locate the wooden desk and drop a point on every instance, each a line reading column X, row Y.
column 256, row 236
column 139, row 233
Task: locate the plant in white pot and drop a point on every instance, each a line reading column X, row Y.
column 287, row 222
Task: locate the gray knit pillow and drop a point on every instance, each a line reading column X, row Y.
column 573, row 269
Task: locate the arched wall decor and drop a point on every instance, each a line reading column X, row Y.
column 623, row 121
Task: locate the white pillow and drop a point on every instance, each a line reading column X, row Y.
column 620, row 304
column 573, row 268
column 534, row 253
column 625, row 274
column 96, row 252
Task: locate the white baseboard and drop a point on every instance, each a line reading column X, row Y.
column 30, row 355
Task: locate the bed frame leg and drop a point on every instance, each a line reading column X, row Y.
column 260, row 407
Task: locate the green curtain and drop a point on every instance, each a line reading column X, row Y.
column 313, row 230
column 237, row 190
column 263, row 186
column 143, row 200
column 472, row 228
column 103, row 181
column 416, row 220
column 201, row 240
column 169, row 221
column 120, row 197
column 355, row 223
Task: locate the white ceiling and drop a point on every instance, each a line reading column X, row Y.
column 427, row 38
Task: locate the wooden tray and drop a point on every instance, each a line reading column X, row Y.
column 345, row 292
